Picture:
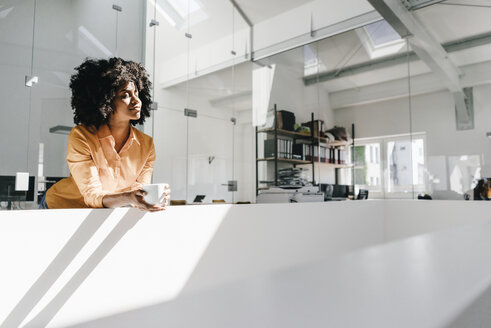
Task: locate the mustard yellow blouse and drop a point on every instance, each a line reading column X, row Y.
column 97, row 169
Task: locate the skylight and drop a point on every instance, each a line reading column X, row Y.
column 182, row 6
column 381, row 33
column 380, row 39
column 175, row 12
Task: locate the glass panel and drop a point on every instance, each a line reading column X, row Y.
column 368, row 172
column 75, row 35
column 341, row 81
column 169, row 67
column 367, row 81
column 170, row 140
column 202, row 73
column 210, row 158
column 406, row 162
column 211, row 133
column 354, row 81
column 454, row 113
column 16, row 37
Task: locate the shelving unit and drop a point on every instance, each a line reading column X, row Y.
column 309, row 139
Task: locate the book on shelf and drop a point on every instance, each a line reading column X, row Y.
column 284, row 148
column 305, row 151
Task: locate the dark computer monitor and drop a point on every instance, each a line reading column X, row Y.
column 340, row 191
column 199, row 198
column 8, row 192
column 363, row 194
column 334, row 191
column 327, row 190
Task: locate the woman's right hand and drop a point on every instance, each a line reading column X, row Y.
column 137, row 201
column 134, row 198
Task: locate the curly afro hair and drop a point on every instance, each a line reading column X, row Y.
column 95, row 85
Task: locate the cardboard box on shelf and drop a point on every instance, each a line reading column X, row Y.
column 318, row 127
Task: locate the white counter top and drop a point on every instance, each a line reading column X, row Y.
column 423, row 281
column 204, row 265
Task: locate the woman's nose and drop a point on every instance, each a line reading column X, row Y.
column 135, row 99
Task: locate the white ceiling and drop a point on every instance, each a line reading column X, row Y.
column 260, row 10
column 222, row 20
column 445, row 22
column 449, row 22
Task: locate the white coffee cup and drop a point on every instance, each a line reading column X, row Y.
column 155, row 193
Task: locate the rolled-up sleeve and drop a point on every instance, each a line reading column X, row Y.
column 83, row 169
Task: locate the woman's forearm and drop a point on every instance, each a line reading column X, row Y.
column 133, row 198
column 117, row 199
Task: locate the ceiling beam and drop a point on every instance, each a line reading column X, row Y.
column 397, row 59
column 427, row 48
column 417, row 4
column 422, row 42
column 242, row 13
column 251, row 28
column 475, row 74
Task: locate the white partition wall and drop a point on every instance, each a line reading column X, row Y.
column 110, row 262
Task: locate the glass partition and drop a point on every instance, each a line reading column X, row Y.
column 369, row 91
column 346, row 129
column 417, row 111
column 192, row 49
column 15, row 68
column 38, row 57
column 76, row 35
column 167, row 23
column 370, row 112
column 199, row 97
column 451, row 116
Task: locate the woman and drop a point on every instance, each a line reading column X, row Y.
column 109, row 159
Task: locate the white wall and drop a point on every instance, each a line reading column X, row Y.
column 406, row 218
column 424, row 281
column 109, row 262
column 120, row 261
column 432, row 114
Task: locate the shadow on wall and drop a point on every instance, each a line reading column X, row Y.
column 247, row 245
column 54, row 270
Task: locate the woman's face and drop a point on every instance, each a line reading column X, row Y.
column 127, row 105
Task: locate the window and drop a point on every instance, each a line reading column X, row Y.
column 405, row 165
column 391, row 166
column 367, row 167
